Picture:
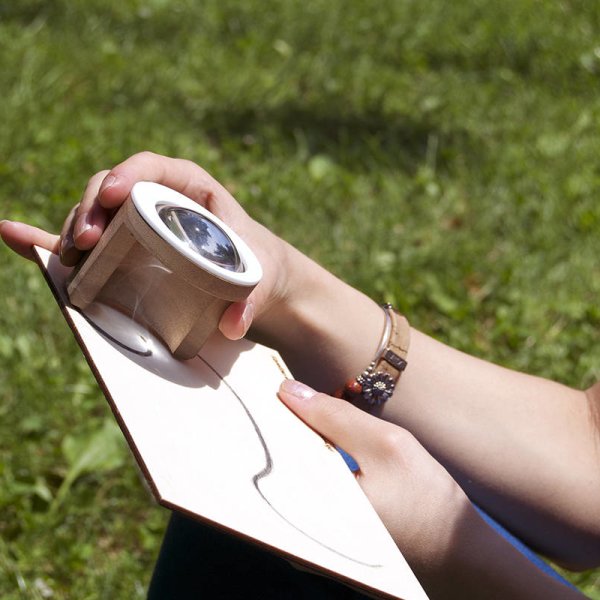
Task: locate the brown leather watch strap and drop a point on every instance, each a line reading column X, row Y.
column 377, row 382
column 393, row 358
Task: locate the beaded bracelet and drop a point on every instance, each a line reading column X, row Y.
column 377, row 382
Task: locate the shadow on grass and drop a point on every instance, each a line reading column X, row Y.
column 353, row 140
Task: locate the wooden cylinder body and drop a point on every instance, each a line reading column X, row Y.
column 135, row 271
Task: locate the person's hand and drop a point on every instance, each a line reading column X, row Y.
column 106, row 191
column 298, row 308
column 415, row 497
column 450, row 548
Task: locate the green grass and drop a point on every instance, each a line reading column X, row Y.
column 440, row 155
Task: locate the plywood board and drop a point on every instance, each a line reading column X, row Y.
column 214, row 441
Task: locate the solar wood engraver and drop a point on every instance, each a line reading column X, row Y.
column 169, row 264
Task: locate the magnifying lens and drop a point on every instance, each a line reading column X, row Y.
column 169, row 264
column 202, row 235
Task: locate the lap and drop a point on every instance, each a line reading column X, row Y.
column 198, row 561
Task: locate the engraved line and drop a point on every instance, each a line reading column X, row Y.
column 268, row 459
column 269, row 467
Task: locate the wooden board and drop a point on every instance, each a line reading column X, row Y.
column 214, row 441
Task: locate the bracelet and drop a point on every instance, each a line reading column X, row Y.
column 377, row 382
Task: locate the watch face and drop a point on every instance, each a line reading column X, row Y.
column 202, row 236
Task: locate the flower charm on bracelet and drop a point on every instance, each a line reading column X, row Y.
column 376, row 384
column 377, row 387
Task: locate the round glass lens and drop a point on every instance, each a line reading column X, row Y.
column 203, row 236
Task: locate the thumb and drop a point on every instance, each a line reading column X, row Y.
column 337, row 420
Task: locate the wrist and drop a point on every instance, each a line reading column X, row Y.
column 325, row 330
column 283, row 286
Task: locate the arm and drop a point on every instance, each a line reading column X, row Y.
column 453, row 552
column 523, row 447
column 526, row 449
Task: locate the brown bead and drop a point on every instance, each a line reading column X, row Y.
column 353, row 386
column 339, row 393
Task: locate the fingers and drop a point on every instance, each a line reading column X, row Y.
column 84, row 224
column 107, row 190
column 69, row 254
column 178, row 174
column 91, row 218
column 21, row 238
column 357, row 432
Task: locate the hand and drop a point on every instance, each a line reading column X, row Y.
column 415, row 497
column 296, row 308
column 107, row 191
column 451, row 550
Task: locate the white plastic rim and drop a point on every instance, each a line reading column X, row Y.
column 149, row 197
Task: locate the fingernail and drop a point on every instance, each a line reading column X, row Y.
column 81, row 225
column 297, row 389
column 108, row 182
column 69, row 255
column 2, row 222
column 247, row 316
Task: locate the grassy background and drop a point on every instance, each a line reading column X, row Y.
column 439, row 155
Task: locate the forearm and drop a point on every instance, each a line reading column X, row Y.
column 484, row 563
column 524, row 447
